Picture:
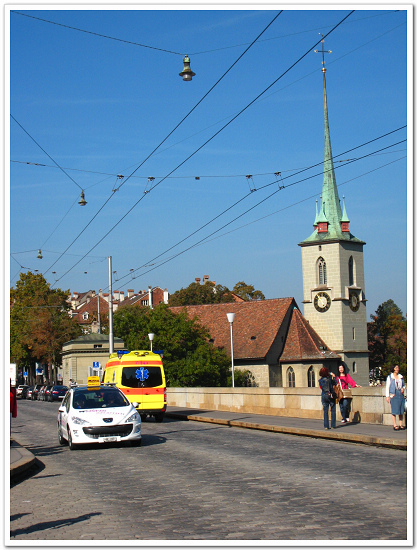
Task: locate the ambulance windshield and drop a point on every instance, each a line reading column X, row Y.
column 141, row 377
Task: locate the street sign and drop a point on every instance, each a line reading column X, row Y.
column 96, row 365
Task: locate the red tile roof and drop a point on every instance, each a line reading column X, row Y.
column 303, row 343
column 92, row 309
column 255, row 326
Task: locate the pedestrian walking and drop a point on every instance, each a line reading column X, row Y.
column 13, row 405
column 328, row 398
column 345, row 380
column 395, row 388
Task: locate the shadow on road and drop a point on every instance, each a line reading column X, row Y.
column 51, row 524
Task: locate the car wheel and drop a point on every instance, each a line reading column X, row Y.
column 159, row 417
column 60, row 438
column 71, row 445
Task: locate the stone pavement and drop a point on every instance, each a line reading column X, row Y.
column 355, row 432
column 369, row 434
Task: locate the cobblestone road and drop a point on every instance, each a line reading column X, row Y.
column 195, row 481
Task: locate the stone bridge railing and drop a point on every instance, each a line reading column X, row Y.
column 368, row 403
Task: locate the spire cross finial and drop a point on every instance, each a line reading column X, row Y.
column 322, row 51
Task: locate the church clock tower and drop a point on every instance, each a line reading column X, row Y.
column 333, row 273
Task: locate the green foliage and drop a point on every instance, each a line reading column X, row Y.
column 196, row 294
column 247, row 292
column 243, row 379
column 39, row 321
column 387, row 339
column 189, row 359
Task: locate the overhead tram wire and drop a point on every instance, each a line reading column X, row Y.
column 273, row 183
column 200, row 176
column 207, row 240
column 244, row 213
column 163, row 141
column 218, row 132
column 301, row 201
column 47, row 154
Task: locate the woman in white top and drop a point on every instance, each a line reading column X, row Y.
column 395, row 395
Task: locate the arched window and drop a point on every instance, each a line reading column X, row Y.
column 291, row 377
column 311, row 378
column 351, row 271
column 321, row 271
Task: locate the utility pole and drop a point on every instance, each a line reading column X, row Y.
column 111, row 342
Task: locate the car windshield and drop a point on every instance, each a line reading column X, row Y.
column 100, row 398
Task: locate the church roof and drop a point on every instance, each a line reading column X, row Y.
column 255, row 326
column 303, row 343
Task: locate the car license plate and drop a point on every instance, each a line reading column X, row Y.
column 109, row 439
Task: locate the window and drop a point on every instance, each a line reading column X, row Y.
column 322, row 273
column 85, row 316
column 291, row 377
column 351, row 271
column 353, row 332
column 354, row 369
column 131, row 377
column 311, row 378
column 144, row 302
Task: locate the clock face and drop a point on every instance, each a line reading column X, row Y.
column 354, row 302
column 322, row 301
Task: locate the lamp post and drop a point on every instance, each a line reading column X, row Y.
column 151, row 336
column 231, row 318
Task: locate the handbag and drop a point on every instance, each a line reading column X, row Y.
column 346, row 394
column 338, row 391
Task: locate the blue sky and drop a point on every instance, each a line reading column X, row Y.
column 98, row 107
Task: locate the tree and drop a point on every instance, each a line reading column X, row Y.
column 39, row 322
column 387, row 338
column 189, row 358
column 247, row 292
column 196, row 294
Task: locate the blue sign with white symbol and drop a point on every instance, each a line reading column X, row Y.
column 142, row 374
column 96, row 365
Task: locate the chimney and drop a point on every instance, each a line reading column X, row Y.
column 197, row 280
column 166, row 296
column 130, row 292
column 100, row 292
column 150, row 296
column 122, row 295
column 116, row 295
column 206, row 278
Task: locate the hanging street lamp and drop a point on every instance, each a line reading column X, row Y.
column 187, row 74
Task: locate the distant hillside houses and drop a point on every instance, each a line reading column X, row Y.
column 90, row 308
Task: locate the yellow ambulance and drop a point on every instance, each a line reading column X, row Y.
column 140, row 376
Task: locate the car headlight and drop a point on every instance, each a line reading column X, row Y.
column 134, row 417
column 78, row 420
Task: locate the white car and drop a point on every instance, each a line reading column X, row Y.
column 97, row 414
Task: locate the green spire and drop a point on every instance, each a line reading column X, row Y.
column 330, row 210
column 344, row 215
